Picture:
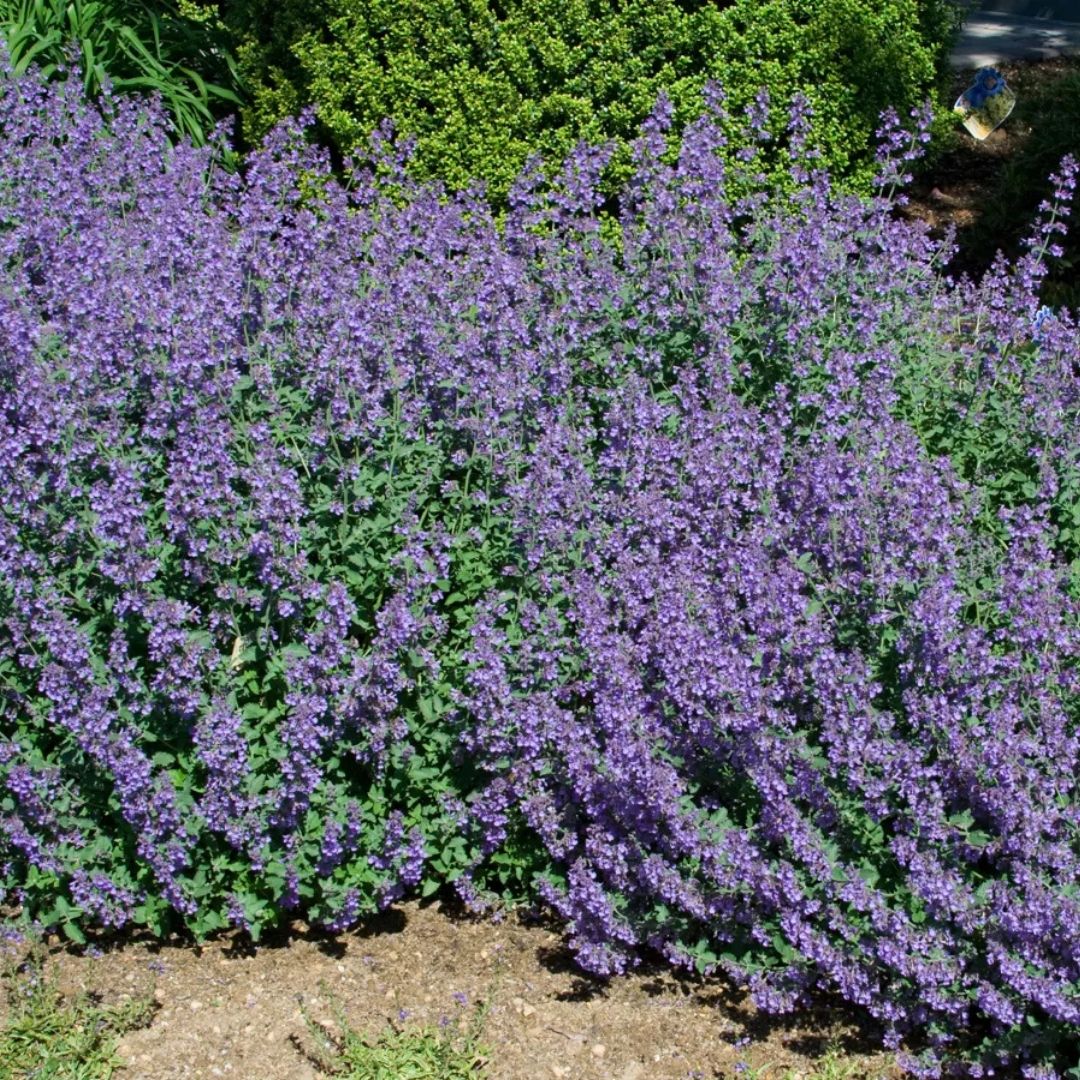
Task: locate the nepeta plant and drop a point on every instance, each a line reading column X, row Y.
column 715, row 581
column 246, row 472
column 789, row 688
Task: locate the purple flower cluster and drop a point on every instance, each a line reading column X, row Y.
column 782, row 675
column 717, row 558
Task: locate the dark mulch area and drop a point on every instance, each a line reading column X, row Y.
column 977, row 187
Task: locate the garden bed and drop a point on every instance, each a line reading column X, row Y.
column 713, row 586
column 985, row 188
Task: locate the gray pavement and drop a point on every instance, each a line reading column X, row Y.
column 1057, row 10
column 1018, row 30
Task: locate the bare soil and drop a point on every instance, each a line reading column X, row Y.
column 232, row 1009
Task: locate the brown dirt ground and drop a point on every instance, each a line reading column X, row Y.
column 231, row 1009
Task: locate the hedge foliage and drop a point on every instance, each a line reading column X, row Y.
column 485, row 83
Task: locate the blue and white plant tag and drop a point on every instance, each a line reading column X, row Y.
column 986, row 103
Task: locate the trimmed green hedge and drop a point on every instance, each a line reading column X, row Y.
column 484, row 83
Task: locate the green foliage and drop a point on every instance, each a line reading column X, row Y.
column 482, row 85
column 171, row 50
column 989, row 431
column 49, row 1038
column 451, row 1051
column 833, row 1066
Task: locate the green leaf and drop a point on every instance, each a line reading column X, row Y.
column 73, row 933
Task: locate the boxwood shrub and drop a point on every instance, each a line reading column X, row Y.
column 483, row 84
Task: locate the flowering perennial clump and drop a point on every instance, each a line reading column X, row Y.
column 711, row 576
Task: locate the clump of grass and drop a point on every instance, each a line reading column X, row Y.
column 452, row 1050
column 48, row 1037
column 833, row 1066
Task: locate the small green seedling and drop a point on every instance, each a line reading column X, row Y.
column 402, row 1051
column 47, row 1037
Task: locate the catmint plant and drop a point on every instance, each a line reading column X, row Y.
column 789, row 686
column 707, row 571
